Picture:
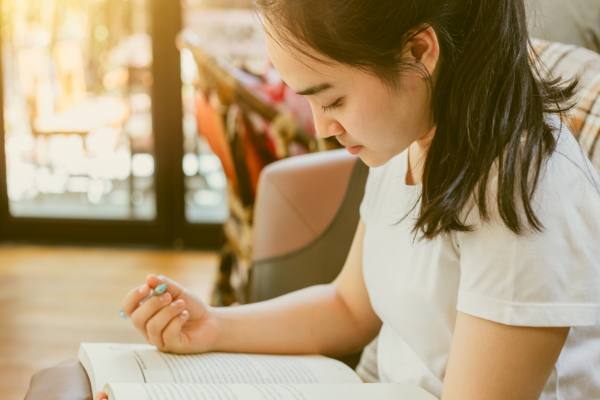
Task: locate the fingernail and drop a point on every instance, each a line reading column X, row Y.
column 160, row 289
column 184, row 314
column 122, row 314
column 162, row 277
column 178, row 303
column 165, row 297
column 144, row 290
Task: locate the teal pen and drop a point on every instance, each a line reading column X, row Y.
column 160, row 289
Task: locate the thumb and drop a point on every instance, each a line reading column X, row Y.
column 101, row 396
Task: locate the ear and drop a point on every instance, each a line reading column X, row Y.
column 425, row 49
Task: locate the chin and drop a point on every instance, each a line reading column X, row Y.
column 373, row 161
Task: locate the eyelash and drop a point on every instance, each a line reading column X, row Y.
column 333, row 105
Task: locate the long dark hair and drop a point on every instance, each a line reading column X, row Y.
column 488, row 102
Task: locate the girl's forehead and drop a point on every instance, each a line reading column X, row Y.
column 300, row 70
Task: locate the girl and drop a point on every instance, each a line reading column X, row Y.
column 477, row 256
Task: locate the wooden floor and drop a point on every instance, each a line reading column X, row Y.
column 53, row 298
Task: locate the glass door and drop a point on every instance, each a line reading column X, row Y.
column 91, row 122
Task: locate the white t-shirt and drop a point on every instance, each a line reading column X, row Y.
column 543, row 279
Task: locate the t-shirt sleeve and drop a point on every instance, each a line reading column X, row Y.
column 548, row 278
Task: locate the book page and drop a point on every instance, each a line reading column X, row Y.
column 242, row 368
column 379, row 391
column 111, row 362
column 141, row 363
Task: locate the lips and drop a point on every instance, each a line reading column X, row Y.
column 354, row 150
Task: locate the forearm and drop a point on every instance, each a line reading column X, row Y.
column 314, row 320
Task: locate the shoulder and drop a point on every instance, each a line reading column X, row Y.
column 567, row 183
column 546, row 278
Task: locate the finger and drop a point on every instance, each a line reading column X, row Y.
column 160, row 320
column 194, row 305
column 147, row 310
column 172, row 333
column 172, row 287
column 133, row 298
column 101, row 396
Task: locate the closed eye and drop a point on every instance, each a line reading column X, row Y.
column 333, row 105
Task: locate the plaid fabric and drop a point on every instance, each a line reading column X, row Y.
column 557, row 59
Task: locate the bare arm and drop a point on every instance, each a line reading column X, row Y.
column 493, row 361
column 329, row 319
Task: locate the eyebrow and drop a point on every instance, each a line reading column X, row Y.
column 315, row 89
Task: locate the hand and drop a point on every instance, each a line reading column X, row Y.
column 101, row 396
column 175, row 322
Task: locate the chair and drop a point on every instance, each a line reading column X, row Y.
column 302, row 237
column 584, row 119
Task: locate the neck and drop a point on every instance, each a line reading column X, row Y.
column 417, row 152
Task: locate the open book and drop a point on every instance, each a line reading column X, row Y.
column 140, row 372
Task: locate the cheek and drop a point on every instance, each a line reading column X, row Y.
column 414, row 99
column 355, row 124
column 369, row 121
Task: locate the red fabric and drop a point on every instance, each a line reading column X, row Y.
column 212, row 127
column 257, row 143
column 255, row 160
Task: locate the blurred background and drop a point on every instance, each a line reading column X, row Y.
column 92, row 129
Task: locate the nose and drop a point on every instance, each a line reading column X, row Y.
column 327, row 127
